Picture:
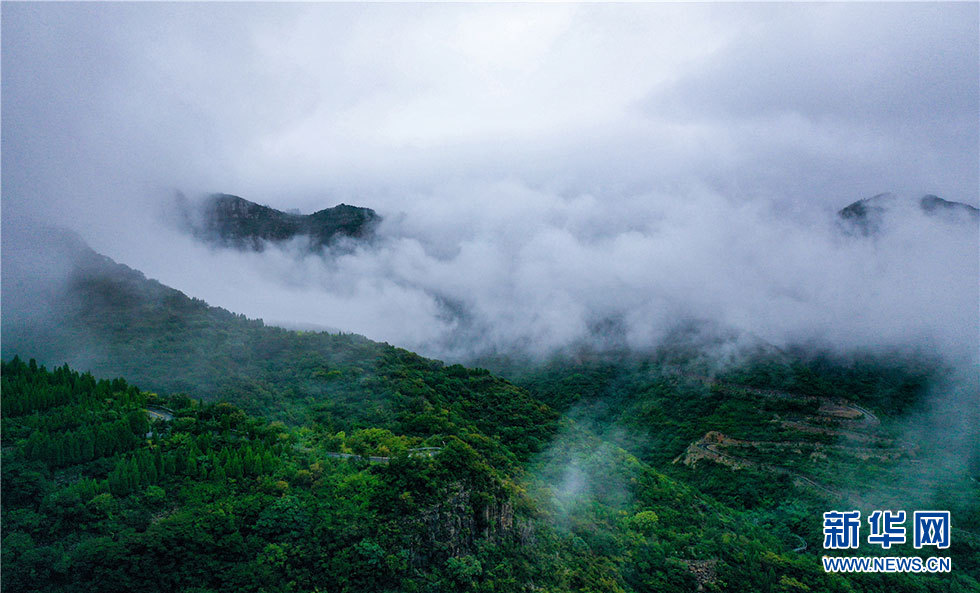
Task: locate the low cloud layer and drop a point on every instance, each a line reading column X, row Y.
column 546, row 173
column 541, row 272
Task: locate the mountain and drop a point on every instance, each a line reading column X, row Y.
column 393, row 472
column 865, row 217
column 231, row 221
column 110, row 488
column 931, row 204
column 109, row 319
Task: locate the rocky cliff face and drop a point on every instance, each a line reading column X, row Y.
column 231, row 221
column 456, row 519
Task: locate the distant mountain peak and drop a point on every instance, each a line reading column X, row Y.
column 931, row 204
column 865, row 216
column 232, row 221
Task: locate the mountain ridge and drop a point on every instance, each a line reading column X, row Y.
column 589, row 442
column 866, row 216
column 228, row 220
column 107, row 318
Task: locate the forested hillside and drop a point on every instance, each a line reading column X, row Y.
column 490, row 297
column 264, row 459
column 113, row 321
column 109, row 487
column 781, row 438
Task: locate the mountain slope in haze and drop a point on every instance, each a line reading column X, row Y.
column 191, row 506
column 784, row 438
column 111, row 320
column 865, row 217
column 588, row 501
column 205, row 497
column 231, row 221
column 208, row 498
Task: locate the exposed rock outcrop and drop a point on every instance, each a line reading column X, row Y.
column 231, row 221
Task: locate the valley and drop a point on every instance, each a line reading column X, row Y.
column 641, row 471
column 450, row 297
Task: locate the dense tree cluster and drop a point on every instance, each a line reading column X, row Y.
column 342, row 464
column 98, row 496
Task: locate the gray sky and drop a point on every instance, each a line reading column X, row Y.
column 539, row 166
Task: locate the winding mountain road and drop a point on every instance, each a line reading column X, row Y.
column 417, row 452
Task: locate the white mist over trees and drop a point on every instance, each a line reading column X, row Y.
column 629, row 213
column 538, row 272
column 547, row 174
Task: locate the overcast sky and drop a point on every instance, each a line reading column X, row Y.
column 573, row 162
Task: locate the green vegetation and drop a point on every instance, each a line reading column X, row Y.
column 205, row 497
column 274, row 460
column 799, row 437
column 121, row 324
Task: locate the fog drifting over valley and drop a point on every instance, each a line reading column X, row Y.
column 547, row 175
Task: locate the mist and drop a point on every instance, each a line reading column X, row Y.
column 548, row 175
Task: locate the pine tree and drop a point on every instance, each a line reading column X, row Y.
column 234, row 466
column 268, row 462
column 133, row 478
column 170, row 464
column 118, row 484
column 249, row 462
column 58, row 450
column 150, row 473
column 158, row 460
column 88, row 445
column 74, row 448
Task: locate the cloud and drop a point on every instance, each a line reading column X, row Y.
column 877, row 94
column 543, row 170
column 536, row 271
